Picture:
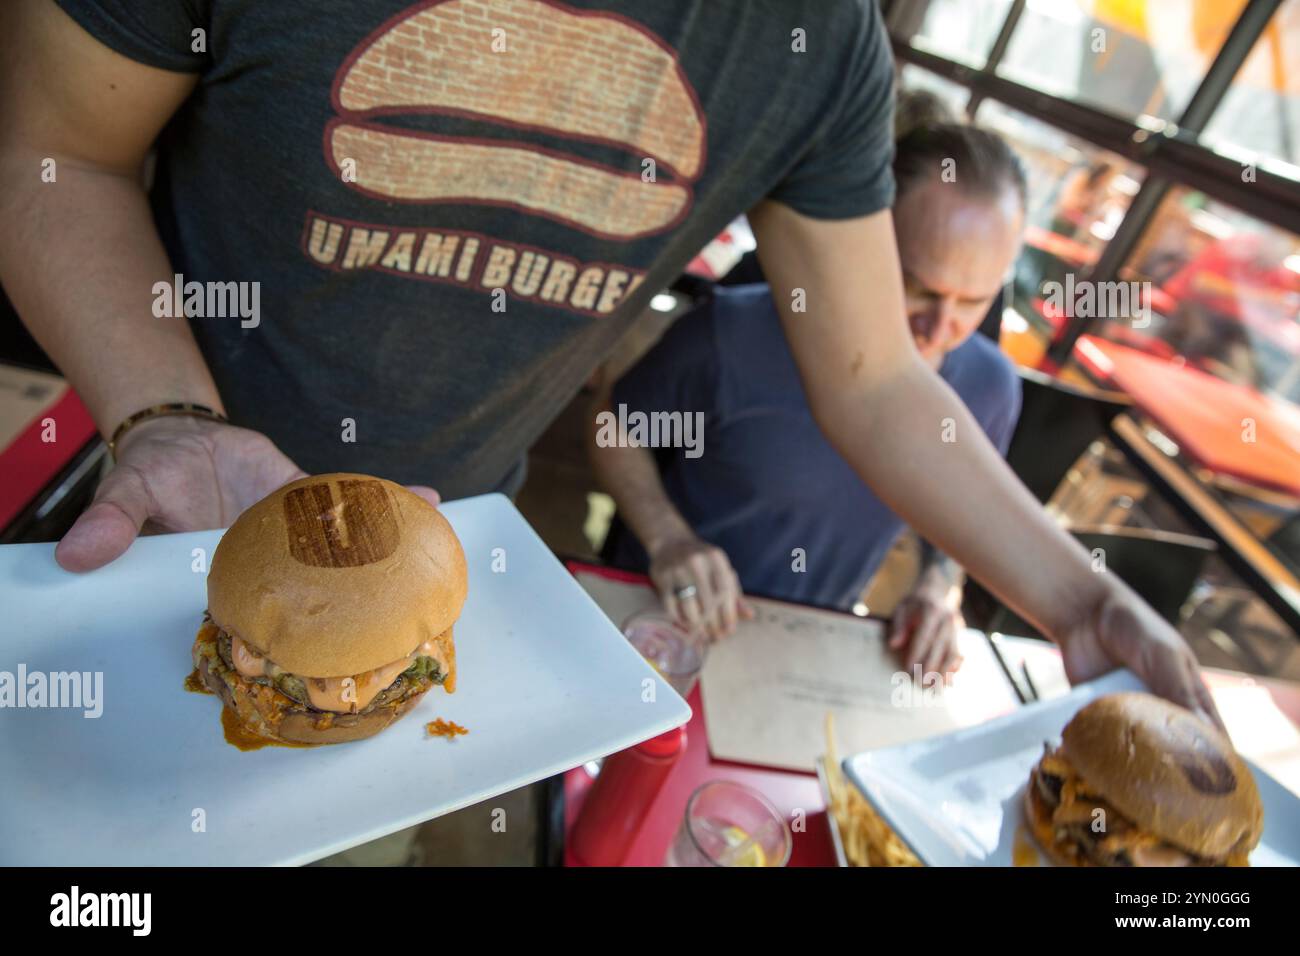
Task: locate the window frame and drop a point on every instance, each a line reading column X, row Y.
column 1171, row 152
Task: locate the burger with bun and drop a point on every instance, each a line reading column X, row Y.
column 1138, row 781
column 330, row 609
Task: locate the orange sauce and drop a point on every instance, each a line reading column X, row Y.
column 194, row 684
column 1023, row 850
column 237, row 735
column 444, row 728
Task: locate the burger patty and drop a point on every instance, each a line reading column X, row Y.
column 1072, row 806
column 423, row 673
column 1081, row 838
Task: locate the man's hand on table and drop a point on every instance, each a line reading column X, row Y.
column 684, row 562
column 177, row 474
column 1125, row 632
column 925, row 625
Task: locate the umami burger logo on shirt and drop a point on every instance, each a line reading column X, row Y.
column 522, row 67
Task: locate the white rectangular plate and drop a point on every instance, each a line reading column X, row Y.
column 955, row 799
column 545, row 683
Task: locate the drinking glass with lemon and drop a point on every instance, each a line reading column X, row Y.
column 729, row 824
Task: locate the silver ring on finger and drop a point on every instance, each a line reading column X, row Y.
column 686, row 592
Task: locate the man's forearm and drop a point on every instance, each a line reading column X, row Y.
column 79, row 253
column 79, row 258
column 631, row 478
column 900, row 426
column 922, row 452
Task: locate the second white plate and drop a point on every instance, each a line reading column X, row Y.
column 955, row 799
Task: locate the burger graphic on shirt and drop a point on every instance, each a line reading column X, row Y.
column 521, row 65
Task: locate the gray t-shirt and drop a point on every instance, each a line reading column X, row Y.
column 454, row 209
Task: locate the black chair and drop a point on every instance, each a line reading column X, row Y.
column 1160, row 566
column 1058, row 422
column 1259, row 642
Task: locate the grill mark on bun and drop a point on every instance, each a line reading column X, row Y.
column 1201, row 761
column 347, row 529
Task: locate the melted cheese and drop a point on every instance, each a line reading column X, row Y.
column 347, row 695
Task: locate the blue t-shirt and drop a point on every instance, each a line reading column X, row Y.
column 768, row 482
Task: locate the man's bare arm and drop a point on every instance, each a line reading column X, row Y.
column 889, row 414
column 79, row 256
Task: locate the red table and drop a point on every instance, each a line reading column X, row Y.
column 1205, row 415
column 29, row 462
column 788, row 791
column 798, row 795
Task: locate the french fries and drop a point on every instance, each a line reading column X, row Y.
column 867, row 839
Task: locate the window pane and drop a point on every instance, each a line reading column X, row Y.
column 1078, row 194
column 962, row 30
column 1215, row 360
column 953, row 95
column 1261, row 111
column 1130, row 57
column 1227, row 293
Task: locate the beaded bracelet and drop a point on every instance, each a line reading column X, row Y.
column 159, row 411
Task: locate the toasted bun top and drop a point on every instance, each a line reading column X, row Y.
column 1168, row 771
column 335, row 575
